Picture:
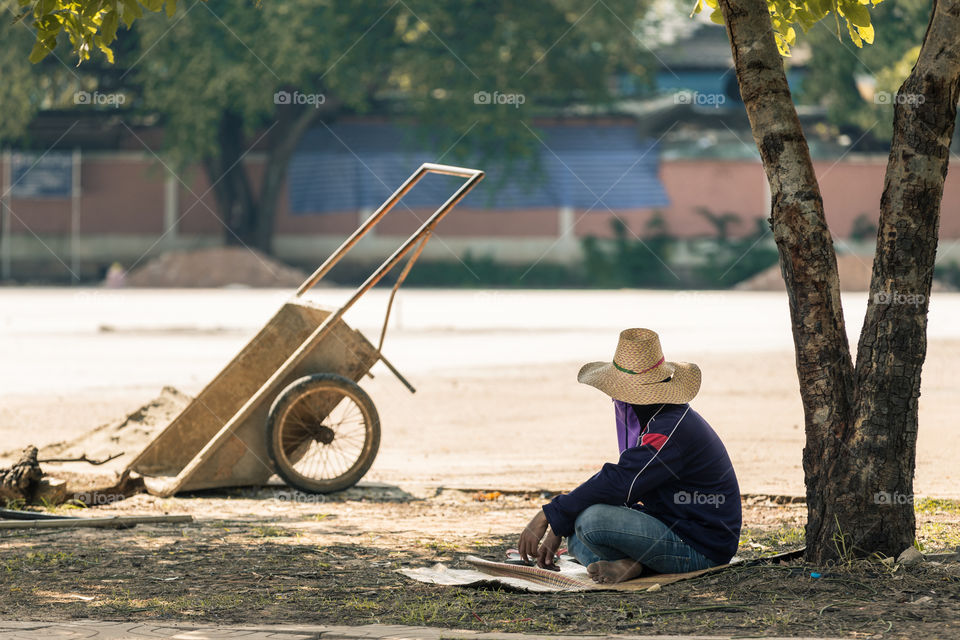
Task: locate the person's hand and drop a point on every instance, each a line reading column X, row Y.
column 548, row 549
column 529, row 544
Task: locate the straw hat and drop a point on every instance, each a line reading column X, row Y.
column 639, row 374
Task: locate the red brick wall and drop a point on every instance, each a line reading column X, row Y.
column 737, row 187
column 119, row 195
column 125, row 194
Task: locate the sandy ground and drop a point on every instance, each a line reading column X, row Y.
column 497, row 403
column 497, row 407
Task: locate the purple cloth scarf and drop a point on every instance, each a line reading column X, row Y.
column 628, row 425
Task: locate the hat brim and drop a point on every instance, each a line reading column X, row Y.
column 681, row 388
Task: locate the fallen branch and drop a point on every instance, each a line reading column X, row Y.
column 84, row 458
column 112, row 522
column 18, row 514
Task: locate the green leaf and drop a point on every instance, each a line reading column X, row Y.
column 806, row 19
column 105, row 48
column 108, row 28
column 825, row 6
column 91, row 9
column 782, row 45
column 716, row 16
column 46, row 7
column 131, row 11
column 40, row 51
column 856, row 13
column 854, row 36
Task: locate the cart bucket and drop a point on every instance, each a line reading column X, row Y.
column 187, row 455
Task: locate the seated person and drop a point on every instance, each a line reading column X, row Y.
column 671, row 503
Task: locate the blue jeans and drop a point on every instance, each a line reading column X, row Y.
column 607, row 532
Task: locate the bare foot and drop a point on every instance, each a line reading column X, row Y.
column 612, row 571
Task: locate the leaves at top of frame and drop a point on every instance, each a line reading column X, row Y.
column 787, row 15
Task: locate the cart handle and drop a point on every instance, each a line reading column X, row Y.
column 473, row 177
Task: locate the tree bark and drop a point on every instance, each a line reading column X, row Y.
column 861, row 425
column 807, row 258
column 893, row 341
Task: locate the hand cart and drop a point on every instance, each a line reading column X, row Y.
column 289, row 403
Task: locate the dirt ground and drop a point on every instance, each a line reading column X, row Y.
column 517, row 428
column 497, row 403
column 497, row 408
column 270, row 555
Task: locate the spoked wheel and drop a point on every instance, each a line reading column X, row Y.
column 323, row 433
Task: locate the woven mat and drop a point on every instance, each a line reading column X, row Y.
column 571, row 577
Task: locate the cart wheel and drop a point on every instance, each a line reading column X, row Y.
column 323, row 433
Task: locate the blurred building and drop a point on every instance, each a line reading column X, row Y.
column 685, row 153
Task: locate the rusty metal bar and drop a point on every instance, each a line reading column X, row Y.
column 396, row 286
column 399, row 375
column 381, row 211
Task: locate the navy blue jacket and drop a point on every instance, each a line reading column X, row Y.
column 679, row 472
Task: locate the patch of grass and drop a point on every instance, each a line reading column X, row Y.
column 439, row 546
column 40, row 560
column 270, row 531
column 783, row 538
column 936, row 505
column 358, row 604
column 494, row 610
column 125, row 602
column 934, row 536
column 485, row 544
column 319, row 517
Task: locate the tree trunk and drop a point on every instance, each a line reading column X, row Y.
column 293, row 122
column 893, row 341
column 249, row 219
column 231, row 184
column 807, row 259
column 861, row 425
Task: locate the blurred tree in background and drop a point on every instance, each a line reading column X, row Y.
column 214, row 74
column 22, row 83
column 858, row 85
